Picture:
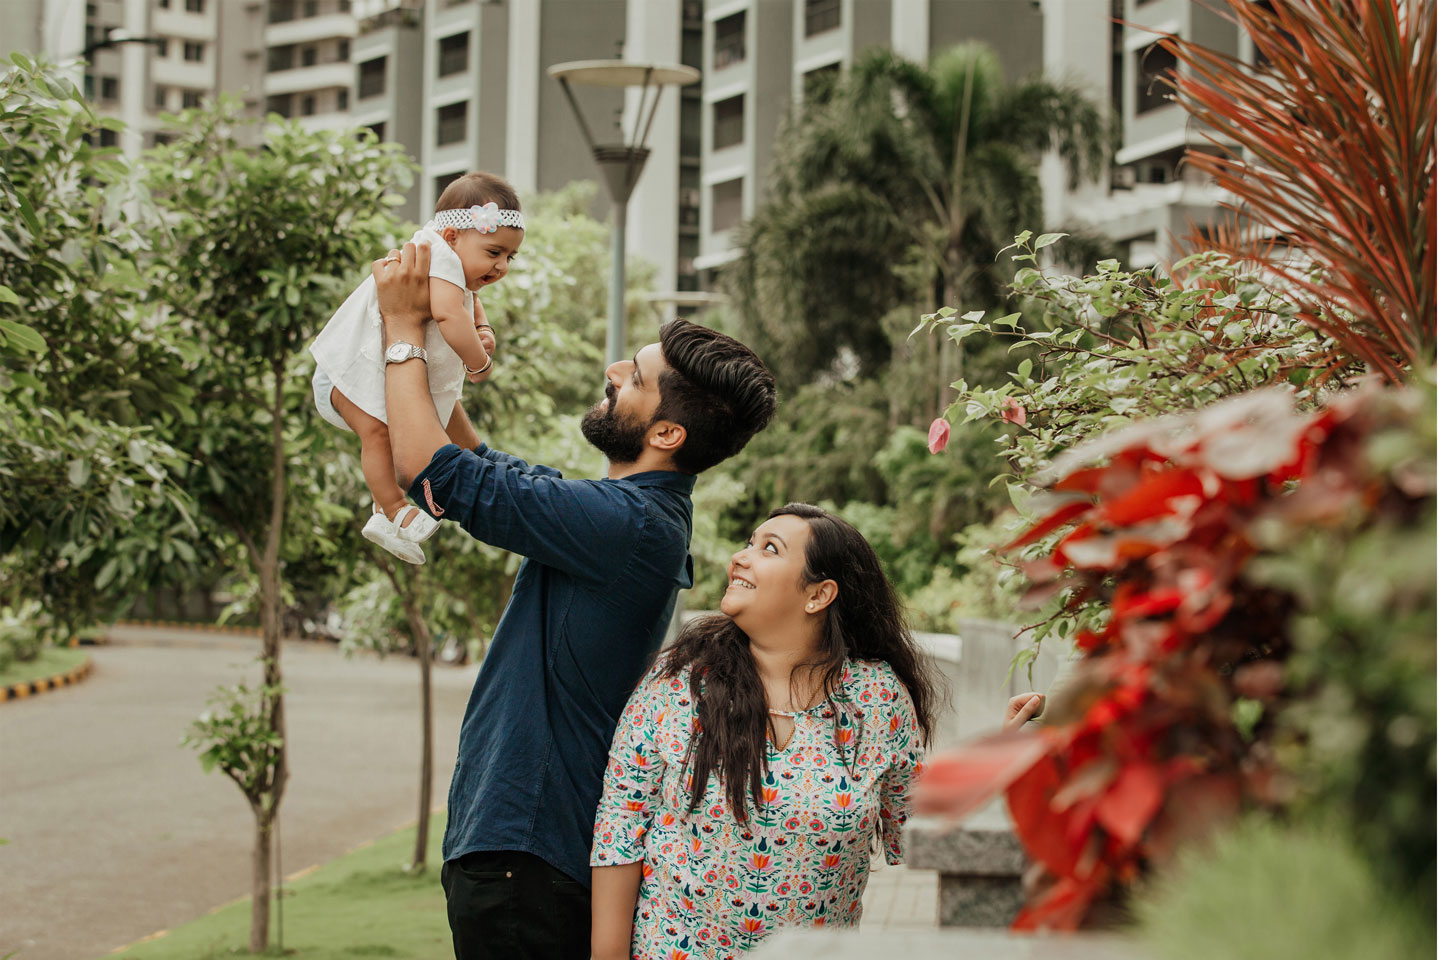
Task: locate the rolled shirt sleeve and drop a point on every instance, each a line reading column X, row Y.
column 584, row 527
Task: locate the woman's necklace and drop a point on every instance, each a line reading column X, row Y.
column 792, row 714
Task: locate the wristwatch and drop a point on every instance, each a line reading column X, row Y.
column 400, row 351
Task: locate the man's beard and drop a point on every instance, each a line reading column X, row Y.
column 620, row 440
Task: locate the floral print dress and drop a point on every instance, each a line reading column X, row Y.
column 712, row 888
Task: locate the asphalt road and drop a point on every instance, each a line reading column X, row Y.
column 112, row 831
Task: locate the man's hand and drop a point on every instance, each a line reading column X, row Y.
column 403, row 289
column 1021, row 708
column 402, row 285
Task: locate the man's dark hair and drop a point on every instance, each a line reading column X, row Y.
column 474, row 189
column 716, row 388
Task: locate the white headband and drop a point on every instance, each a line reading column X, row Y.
column 487, row 219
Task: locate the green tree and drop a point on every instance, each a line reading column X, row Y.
column 90, row 510
column 255, row 250
column 897, row 190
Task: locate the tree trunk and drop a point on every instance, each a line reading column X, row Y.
column 267, row 804
column 260, row 886
column 421, row 633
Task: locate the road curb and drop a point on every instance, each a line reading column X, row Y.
column 186, row 625
column 212, row 628
column 30, row 688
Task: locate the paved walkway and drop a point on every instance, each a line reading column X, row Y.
column 899, row 898
column 114, row 832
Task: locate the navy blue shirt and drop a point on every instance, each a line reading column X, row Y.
column 591, row 603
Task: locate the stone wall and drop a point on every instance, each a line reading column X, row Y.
column 975, row 663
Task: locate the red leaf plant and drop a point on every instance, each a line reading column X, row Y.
column 1327, row 143
column 1140, row 753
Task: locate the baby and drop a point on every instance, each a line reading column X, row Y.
column 475, row 233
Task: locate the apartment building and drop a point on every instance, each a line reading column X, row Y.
column 308, row 71
column 1150, row 199
column 461, row 84
column 763, row 57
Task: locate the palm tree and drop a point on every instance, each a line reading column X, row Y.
column 895, row 191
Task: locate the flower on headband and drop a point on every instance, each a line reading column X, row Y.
column 487, row 218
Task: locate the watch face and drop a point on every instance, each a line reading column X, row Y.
column 397, row 352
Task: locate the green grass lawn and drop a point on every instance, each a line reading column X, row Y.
column 52, row 660
column 362, row 904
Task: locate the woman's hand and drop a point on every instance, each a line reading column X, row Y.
column 1022, row 708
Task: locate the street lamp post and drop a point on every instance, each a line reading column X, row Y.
column 113, row 38
column 621, row 163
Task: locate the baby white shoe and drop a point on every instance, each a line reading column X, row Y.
column 403, row 542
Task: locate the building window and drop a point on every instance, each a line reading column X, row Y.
column 342, row 50
column 194, row 52
column 342, row 99
column 312, row 8
column 689, row 207
column 309, row 56
column 730, row 40
column 194, row 6
column 161, row 98
column 281, row 11
column 691, row 124
column 164, row 4
column 450, row 124
column 444, row 180
column 89, row 86
column 372, row 78
column 162, row 139
column 729, row 126
column 109, row 88
column 1151, row 65
column 821, row 15
column 108, row 138
column 727, row 205
column 817, row 85
column 379, row 130
column 279, row 58
column 190, row 99
column 162, row 48
column 281, row 103
column 307, row 105
column 454, row 54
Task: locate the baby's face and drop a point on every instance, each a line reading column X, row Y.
column 485, row 256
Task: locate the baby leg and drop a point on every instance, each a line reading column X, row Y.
column 376, row 460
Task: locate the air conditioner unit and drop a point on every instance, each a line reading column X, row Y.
column 1122, row 178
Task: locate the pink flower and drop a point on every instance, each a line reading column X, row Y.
column 1012, row 412
column 939, row 434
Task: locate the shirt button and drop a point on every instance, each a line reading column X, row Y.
column 508, row 874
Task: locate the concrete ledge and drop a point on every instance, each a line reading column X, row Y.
column 30, row 688
column 981, row 846
column 946, row 944
column 979, row 862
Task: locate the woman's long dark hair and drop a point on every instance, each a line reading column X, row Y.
column 864, row 622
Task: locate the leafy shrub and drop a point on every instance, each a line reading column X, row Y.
column 1268, row 890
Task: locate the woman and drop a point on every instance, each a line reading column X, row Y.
column 815, row 706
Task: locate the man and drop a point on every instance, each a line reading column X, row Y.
column 604, row 559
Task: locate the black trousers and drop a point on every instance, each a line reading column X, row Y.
column 515, row 905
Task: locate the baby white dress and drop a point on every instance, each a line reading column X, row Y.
column 350, row 351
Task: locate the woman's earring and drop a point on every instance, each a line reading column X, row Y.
column 809, row 606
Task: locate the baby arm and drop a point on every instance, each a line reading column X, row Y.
column 457, row 325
